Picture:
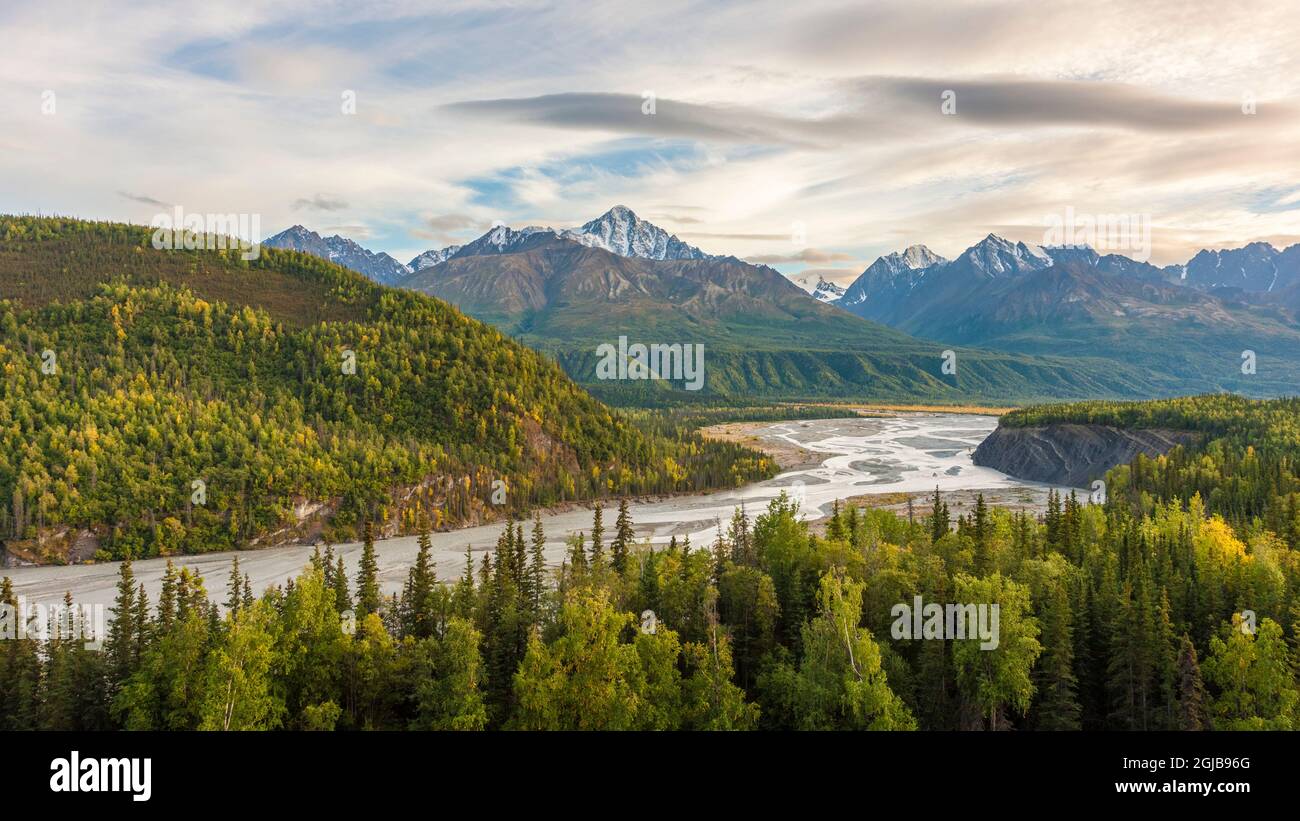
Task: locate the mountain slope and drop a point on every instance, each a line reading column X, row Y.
column 428, row 259
column 764, row 335
column 888, row 280
column 1073, row 302
column 378, row 266
column 1254, row 268
column 304, row 398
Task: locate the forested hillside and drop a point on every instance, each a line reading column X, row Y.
column 300, row 396
column 1248, row 468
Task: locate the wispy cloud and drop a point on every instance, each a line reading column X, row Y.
column 318, row 202
column 145, row 200
column 766, row 115
column 808, row 255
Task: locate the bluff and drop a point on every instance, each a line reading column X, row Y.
column 1071, row 454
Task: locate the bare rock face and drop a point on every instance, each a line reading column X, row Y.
column 1072, row 455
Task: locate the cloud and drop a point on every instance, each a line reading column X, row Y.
column 141, row 198
column 444, row 227
column 318, row 202
column 628, row 114
column 760, row 237
column 840, row 276
column 825, row 113
column 354, row 231
column 1047, row 103
column 680, row 219
column 806, row 255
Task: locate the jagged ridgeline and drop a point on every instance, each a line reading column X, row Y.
column 302, row 398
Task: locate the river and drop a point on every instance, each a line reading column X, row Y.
column 902, row 454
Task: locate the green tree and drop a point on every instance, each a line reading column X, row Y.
column 447, row 673
column 368, row 577
column 1251, row 673
column 995, row 682
column 840, row 683
column 239, row 691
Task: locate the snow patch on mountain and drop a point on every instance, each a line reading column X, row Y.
column 618, row 230
column 901, row 268
column 380, row 267
column 431, row 258
column 821, row 289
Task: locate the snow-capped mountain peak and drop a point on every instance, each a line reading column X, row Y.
column 622, row 232
column 378, row 266
column 891, row 272
column 431, row 258
column 822, row 289
column 619, row 231
column 912, row 258
column 994, row 256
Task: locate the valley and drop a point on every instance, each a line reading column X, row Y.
column 907, row 454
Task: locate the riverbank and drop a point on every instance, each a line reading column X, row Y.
column 884, row 456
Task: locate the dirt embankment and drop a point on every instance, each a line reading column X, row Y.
column 1069, row 454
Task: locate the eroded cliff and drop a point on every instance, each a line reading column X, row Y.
column 1070, row 454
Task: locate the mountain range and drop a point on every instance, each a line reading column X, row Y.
column 766, row 335
column 1122, row 326
column 618, row 231
column 1193, row 321
column 378, row 266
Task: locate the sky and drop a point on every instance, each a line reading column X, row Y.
column 812, row 136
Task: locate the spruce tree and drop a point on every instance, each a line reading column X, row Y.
column 578, row 552
column 1057, row 705
column 981, row 533
column 1193, row 700
column 417, row 608
column 121, row 645
column 624, row 536
column 537, row 567
column 342, row 599
column 235, row 583
column 143, row 626
column 597, row 536
column 168, row 603
column 938, row 517
column 368, row 578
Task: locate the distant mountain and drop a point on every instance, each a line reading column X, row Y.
column 765, row 336
column 994, row 257
column 890, row 277
column 431, row 258
column 378, row 266
column 502, row 239
column 556, row 286
column 822, row 290
column 1075, row 302
column 1254, row 268
column 622, row 232
column 618, row 230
